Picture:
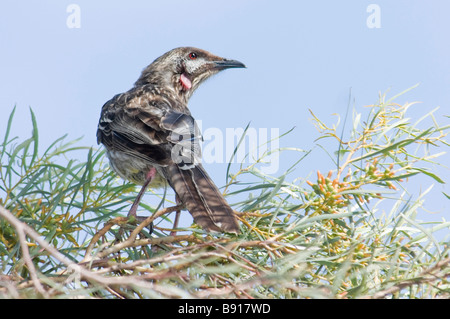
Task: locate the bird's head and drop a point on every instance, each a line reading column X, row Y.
column 183, row 69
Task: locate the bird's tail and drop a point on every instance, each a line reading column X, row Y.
column 202, row 199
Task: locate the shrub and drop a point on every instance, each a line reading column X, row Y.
column 349, row 233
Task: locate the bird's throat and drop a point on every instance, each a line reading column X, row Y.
column 185, row 82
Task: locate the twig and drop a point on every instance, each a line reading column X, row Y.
column 22, row 230
column 130, row 240
column 411, row 282
column 102, row 232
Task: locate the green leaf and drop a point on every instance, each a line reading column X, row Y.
column 426, row 172
column 8, row 129
column 35, row 137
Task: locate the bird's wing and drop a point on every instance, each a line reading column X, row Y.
column 150, row 128
column 185, row 138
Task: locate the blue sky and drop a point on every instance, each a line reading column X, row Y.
column 300, row 55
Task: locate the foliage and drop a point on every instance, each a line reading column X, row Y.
column 351, row 233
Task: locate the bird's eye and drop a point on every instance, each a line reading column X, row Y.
column 192, row 55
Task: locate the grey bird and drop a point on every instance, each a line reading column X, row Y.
column 152, row 140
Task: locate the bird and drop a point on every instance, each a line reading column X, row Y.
column 151, row 138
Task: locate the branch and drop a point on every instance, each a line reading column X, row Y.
column 130, row 240
column 24, row 230
column 421, row 279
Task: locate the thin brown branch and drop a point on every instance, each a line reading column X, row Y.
column 130, row 241
column 429, row 275
column 22, row 230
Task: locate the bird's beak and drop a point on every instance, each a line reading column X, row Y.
column 228, row 64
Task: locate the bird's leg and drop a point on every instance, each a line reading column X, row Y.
column 177, row 216
column 149, row 177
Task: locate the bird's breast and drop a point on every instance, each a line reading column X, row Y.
column 134, row 169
